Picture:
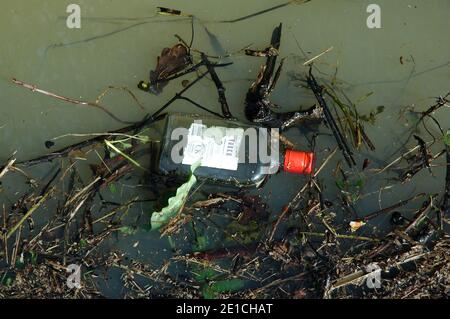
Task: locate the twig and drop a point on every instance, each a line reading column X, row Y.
column 177, row 96
column 83, row 191
column 318, row 56
column 30, row 211
column 220, row 88
column 123, row 88
column 444, row 211
column 420, row 162
column 423, row 150
column 286, row 210
column 341, row 236
column 5, row 240
column 280, row 282
column 325, row 162
column 264, row 11
column 390, row 208
column 441, row 101
column 118, row 151
column 8, row 166
column 397, row 159
column 16, row 247
column 34, row 88
column 419, row 217
column 317, row 90
column 100, row 138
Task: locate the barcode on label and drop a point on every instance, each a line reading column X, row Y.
column 230, row 146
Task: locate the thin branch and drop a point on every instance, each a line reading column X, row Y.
column 34, row 88
column 342, row 143
column 220, row 88
column 30, row 212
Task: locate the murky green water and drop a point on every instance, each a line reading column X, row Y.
column 38, row 48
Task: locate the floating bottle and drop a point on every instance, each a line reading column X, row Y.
column 229, row 152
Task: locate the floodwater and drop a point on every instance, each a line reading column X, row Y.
column 405, row 63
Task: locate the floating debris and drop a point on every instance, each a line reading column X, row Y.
column 171, row 12
column 169, row 63
column 355, row 225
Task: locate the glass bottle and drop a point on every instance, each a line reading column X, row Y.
column 229, row 152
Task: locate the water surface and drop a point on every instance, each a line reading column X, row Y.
column 404, row 63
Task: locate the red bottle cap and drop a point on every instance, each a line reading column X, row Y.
column 298, row 162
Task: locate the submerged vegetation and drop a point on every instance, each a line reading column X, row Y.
column 228, row 243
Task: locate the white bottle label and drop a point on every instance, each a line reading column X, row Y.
column 215, row 146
